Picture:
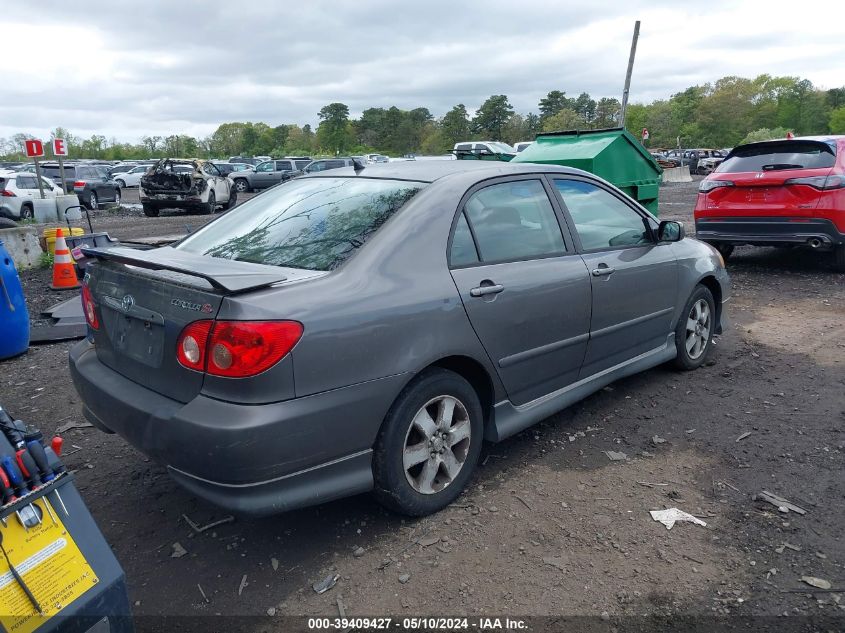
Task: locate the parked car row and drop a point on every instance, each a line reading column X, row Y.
column 17, row 190
column 700, row 161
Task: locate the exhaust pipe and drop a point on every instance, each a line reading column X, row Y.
column 814, row 242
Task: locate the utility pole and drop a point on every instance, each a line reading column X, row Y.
column 630, row 70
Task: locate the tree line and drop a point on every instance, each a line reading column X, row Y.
column 720, row 114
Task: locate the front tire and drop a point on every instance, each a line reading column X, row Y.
column 233, row 199
column 208, row 208
column 695, row 329
column 429, row 444
column 241, row 185
column 120, row 183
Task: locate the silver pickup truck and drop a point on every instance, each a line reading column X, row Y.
column 268, row 173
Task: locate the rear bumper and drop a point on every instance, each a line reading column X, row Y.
column 252, row 459
column 761, row 231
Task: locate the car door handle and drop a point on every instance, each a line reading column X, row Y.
column 492, row 289
column 603, row 270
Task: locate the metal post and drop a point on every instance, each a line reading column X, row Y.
column 627, row 88
column 38, row 177
column 62, row 174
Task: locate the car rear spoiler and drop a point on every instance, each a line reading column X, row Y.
column 228, row 275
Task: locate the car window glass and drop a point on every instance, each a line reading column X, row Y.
column 464, row 146
column 601, row 219
column 27, row 182
column 792, row 154
column 514, row 220
column 463, row 247
column 210, row 169
column 283, row 165
column 264, row 167
column 312, row 223
column 334, row 164
column 47, row 185
column 301, row 164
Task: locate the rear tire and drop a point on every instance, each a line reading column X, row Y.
column 120, row 183
column 117, row 197
column 428, row 445
column 26, row 211
column 695, row 329
column 839, row 258
column 93, row 203
column 150, row 211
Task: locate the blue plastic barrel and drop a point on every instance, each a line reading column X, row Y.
column 14, row 318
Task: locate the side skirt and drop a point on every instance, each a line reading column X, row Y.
column 508, row 419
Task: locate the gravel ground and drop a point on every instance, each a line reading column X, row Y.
column 549, row 525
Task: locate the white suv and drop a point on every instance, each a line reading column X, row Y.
column 17, row 189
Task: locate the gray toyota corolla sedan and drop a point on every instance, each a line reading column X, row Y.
column 367, row 330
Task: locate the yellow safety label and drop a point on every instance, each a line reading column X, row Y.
column 48, row 561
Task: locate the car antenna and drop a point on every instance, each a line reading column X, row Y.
column 357, row 165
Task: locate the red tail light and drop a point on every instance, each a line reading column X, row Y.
column 822, row 183
column 79, row 184
column 236, row 349
column 9, row 194
column 89, row 307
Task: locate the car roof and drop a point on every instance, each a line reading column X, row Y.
column 431, row 170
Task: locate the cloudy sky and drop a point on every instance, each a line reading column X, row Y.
column 162, row 66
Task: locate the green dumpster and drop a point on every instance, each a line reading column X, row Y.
column 613, row 154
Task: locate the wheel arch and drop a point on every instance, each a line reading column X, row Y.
column 473, row 372
column 712, row 284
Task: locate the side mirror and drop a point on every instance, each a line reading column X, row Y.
column 670, row 231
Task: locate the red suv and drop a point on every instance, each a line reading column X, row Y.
column 777, row 193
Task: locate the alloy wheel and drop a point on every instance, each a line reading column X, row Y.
column 698, row 329
column 436, row 444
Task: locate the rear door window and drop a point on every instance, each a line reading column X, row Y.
column 513, row 221
column 792, row 154
column 283, row 165
column 311, row 223
column 27, row 182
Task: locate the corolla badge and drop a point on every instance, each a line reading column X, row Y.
column 127, row 302
column 189, row 305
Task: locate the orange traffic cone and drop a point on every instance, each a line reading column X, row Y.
column 64, row 275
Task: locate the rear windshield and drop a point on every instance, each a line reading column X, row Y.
column 778, row 156
column 311, row 223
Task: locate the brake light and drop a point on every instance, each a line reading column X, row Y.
column 822, row 183
column 79, row 184
column 89, row 307
column 8, row 194
column 236, row 349
column 709, row 185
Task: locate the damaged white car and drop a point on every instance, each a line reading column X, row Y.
column 193, row 185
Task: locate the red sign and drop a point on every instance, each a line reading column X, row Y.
column 59, row 147
column 34, row 148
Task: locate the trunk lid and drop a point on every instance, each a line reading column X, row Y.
column 766, row 193
column 146, row 298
